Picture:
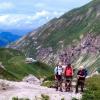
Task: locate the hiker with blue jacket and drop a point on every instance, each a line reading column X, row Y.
column 58, row 71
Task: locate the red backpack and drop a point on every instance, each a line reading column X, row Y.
column 68, row 71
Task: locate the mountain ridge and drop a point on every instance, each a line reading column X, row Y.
column 72, row 36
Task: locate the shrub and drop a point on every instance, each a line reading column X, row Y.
column 74, row 99
column 93, row 89
column 48, row 84
column 16, row 98
column 62, row 99
column 45, row 97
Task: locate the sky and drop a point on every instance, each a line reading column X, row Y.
column 30, row 14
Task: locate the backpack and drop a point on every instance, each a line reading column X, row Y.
column 68, row 71
column 85, row 72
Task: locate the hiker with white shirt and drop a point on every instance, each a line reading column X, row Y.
column 58, row 71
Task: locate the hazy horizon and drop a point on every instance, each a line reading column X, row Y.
column 28, row 15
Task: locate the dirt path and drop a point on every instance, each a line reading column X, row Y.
column 26, row 90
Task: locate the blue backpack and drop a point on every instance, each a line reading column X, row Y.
column 85, row 72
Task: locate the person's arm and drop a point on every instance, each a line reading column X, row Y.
column 65, row 71
column 78, row 75
column 55, row 77
column 72, row 71
column 82, row 76
column 55, row 71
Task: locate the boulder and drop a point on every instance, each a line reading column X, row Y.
column 32, row 80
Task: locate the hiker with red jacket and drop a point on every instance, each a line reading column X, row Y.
column 68, row 73
column 81, row 75
column 58, row 76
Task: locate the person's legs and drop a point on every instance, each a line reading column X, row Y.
column 69, row 83
column 66, row 84
column 59, row 83
column 77, row 85
column 56, row 84
column 82, row 86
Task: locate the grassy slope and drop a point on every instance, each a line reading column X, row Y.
column 16, row 68
column 93, row 89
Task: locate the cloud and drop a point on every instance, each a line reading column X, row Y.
column 22, row 20
column 6, row 5
column 42, row 13
column 33, row 13
column 25, row 20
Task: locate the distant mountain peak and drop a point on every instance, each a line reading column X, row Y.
column 7, row 37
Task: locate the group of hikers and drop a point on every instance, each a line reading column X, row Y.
column 64, row 76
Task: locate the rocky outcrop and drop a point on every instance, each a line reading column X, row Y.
column 31, row 79
column 89, row 45
column 1, row 66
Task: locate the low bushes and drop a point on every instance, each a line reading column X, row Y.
column 93, row 89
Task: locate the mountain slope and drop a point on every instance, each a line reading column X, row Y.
column 14, row 66
column 72, row 38
column 7, row 37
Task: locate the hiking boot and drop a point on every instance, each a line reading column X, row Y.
column 82, row 91
column 76, row 92
column 61, row 90
column 56, row 88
